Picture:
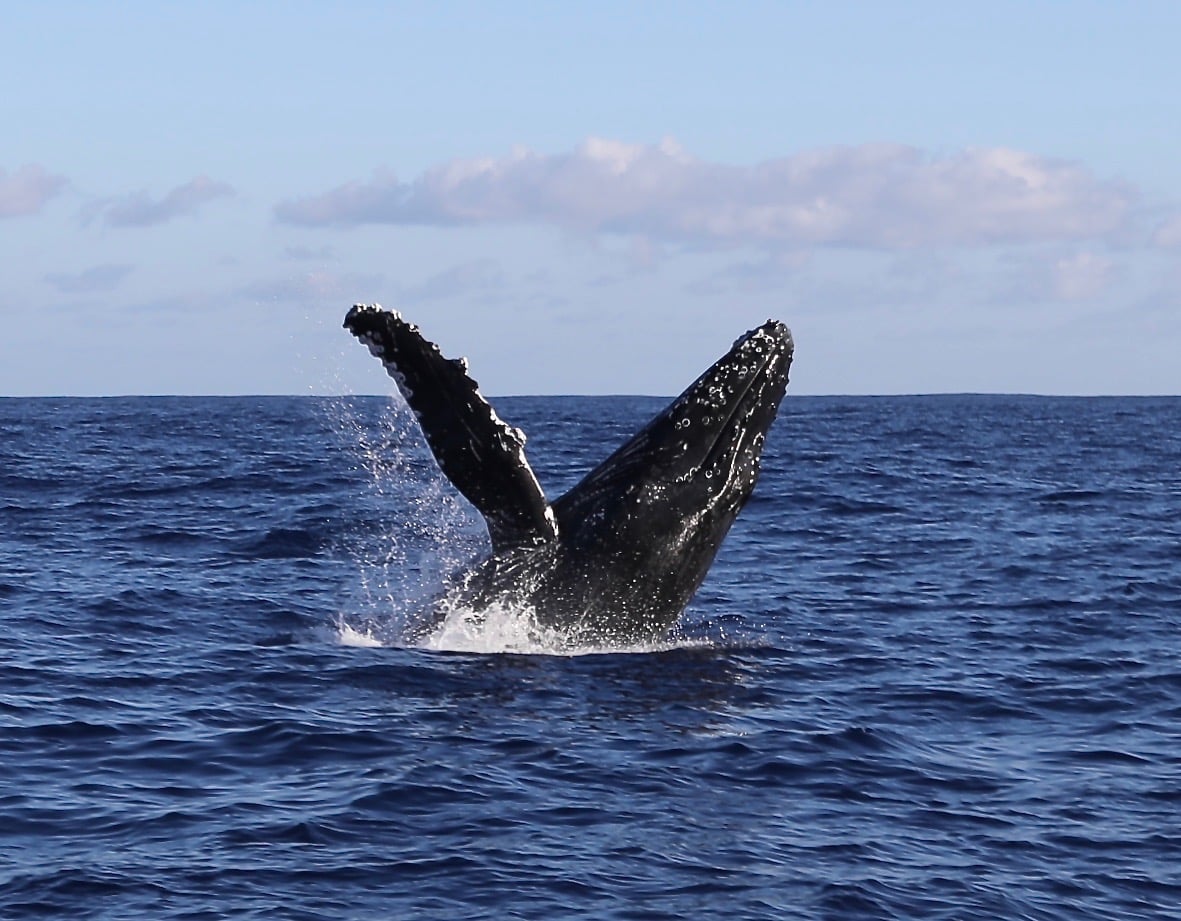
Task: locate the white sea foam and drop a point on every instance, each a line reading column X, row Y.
column 427, row 532
column 349, row 636
column 499, row 630
column 503, row 629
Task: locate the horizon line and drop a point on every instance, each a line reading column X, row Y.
column 532, row 396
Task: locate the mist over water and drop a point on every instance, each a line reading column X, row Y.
column 934, row 672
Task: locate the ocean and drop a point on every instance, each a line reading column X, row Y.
column 935, row 672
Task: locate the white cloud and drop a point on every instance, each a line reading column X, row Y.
column 315, row 287
column 479, row 277
column 99, row 278
column 138, row 209
column 877, row 196
column 1054, row 274
column 1081, row 276
column 1168, row 234
column 309, row 254
column 27, row 190
column 769, row 272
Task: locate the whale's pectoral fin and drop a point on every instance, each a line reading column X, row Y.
column 476, row 450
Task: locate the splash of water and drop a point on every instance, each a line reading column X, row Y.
column 421, row 532
column 413, row 529
column 502, row 629
column 499, row 628
column 348, row 636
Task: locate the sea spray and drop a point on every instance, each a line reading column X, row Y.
column 414, row 537
column 415, row 530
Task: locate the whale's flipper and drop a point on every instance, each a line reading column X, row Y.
column 482, row 456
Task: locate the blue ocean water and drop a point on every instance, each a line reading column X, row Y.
column 934, row 673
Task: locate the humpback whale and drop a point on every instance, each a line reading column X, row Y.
column 617, row 558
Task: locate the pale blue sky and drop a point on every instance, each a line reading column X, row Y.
column 591, row 198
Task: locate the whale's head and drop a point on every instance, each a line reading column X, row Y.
column 665, row 500
column 704, row 449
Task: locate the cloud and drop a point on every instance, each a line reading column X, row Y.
column 97, row 279
column 479, row 277
column 1168, row 234
column 315, row 287
column 139, row 210
column 27, row 190
column 1081, row 276
column 877, row 196
column 1055, row 275
column 309, row 254
column 768, row 272
column 476, row 282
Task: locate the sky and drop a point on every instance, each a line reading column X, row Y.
column 591, row 197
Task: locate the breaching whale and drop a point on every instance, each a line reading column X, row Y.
column 617, row 558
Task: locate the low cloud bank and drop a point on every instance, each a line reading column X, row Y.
column 879, row 196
